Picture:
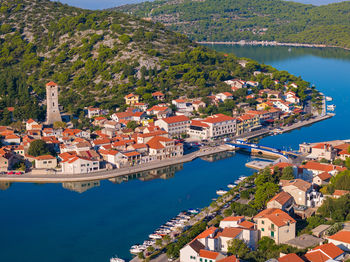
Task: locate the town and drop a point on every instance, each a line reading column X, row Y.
column 285, row 212
column 143, row 133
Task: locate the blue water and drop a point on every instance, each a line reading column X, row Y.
column 50, row 223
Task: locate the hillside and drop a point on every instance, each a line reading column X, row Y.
column 97, row 57
column 235, row 20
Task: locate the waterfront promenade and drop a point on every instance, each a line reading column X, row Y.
column 106, row 174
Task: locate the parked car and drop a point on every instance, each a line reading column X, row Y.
column 19, row 173
column 11, row 173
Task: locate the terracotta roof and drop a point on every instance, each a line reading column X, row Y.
column 175, row 119
column 276, row 216
column 229, row 259
column 230, row 232
column 155, row 142
column 247, row 224
column 233, row 218
column 30, row 121
column 227, row 93
column 282, row 197
column 218, row 118
column 282, row 165
column 324, row 253
column 101, row 141
column 318, row 166
column 133, row 153
column 51, row 83
column 340, row 192
column 180, row 100
column 130, row 95
column 45, row 157
column 198, row 123
column 206, row 232
column 153, row 133
column 298, row 183
column 325, row 176
column 11, row 137
column 157, row 93
column 290, row 258
column 157, row 108
column 208, row 254
column 342, row 236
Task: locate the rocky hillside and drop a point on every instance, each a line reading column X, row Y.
column 235, row 20
column 97, row 57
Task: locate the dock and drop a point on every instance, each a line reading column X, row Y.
column 258, row 165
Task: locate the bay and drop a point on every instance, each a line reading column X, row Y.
column 47, row 222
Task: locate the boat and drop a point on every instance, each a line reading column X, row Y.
column 328, row 98
column 231, row 185
column 331, row 107
column 221, row 192
column 237, row 181
column 242, row 178
column 137, row 249
column 155, row 236
column 193, row 211
column 116, row 259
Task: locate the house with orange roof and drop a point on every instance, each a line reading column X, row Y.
column 341, row 239
column 276, row 224
column 159, row 111
column 324, row 253
column 291, row 97
column 141, row 106
column 45, row 162
column 207, row 255
column 11, row 140
column 224, row 96
column 174, row 125
column 132, row 157
column 97, row 143
column 79, row 165
column 131, row 99
column 147, row 136
column 283, row 201
column 164, row 148
column 180, row 103
column 99, row 121
column 7, row 159
column 323, row 150
column 283, row 105
column 197, row 104
column 231, row 221
column 303, row 192
column 339, row 193
column 158, row 95
column 220, row 125
column 247, row 123
column 236, row 83
column 30, row 123
column 312, row 168
column 322, row 179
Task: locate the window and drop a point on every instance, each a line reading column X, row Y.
column 272, row 234
column 262, row 229
column 262, row 222
column 272, row 226
column 200, row 260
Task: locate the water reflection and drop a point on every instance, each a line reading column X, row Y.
column 218, row 156
column 80, row 187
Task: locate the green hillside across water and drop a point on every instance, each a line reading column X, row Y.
column 264, row 20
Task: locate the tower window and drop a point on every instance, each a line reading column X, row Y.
column 53, row 104
column 53, row 94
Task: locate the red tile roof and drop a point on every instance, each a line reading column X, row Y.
column 282, row 197
column 198, row 123
column 208, row 254
column 318, row 166
column 298, row 183
column 233, row 218
column 230, row 232
column 130, row 95
column 157, row 93
column 290, row 258
column 340, row 192
column 51, row 83
column 323, row 253
column 45, row 157
column 325, row 176
column 342, row 236
column 229, row 259
column 175, row 119
column 155, row 142
column 206, row 232
column 218, row 118
column 247, row 224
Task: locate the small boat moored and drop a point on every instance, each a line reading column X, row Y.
column 116, row 259
column 221, row 192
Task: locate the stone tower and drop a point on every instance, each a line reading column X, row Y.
column 52, row 112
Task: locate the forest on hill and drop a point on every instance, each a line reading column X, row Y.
column 97, row 57
column 261, row 20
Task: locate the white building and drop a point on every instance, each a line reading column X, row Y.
column 220, row 125
column 174, row 125
column 79, row 165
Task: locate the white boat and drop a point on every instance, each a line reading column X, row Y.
column 331, row 107
column 242, row 178
column 116, row 259
column 230, row 185
column 136, row 250
column 221, row 192
column 328, row 98
column 155, row 236
column 148, row 243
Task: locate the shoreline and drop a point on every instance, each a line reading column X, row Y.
column 107, row 174
column 270, row 43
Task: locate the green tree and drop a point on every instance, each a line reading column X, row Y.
column 264, row 193
column 38, row 148
column 238, row 247
column 59, row 124
column 287, row 173
column 132, row 125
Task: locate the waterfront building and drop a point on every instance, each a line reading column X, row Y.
column 52, row 111
column 198, row 130
column 247, row 123
column 45, row 162
column 174, row 125
column 276, row 224
column 79, row 165
column 164, row 148
column 220, row 125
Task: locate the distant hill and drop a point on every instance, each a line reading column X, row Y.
column 235, row 20
column 97, row 57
